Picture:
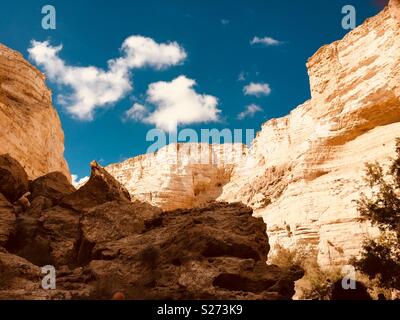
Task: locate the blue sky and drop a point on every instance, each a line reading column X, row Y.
column 211, row 45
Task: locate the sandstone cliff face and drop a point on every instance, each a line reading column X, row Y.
column 304, row 171
column 179, row 175
column 310, row 164
column 30, row 129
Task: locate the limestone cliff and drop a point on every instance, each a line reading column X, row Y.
column 30, row 129
column 304, row 171
column 309, row 165
column 180, row 175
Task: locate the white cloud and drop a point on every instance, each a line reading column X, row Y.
column 176, row 103
column 266, row 41
column 92, row 87
column 138, row 112
column 257, row 89
column 249, row 111
column 77, row 183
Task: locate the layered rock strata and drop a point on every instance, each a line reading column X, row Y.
column 100, row 242
column 30, row 129
column 303, row 171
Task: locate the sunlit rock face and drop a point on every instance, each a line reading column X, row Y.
column 307, row 168
column 179, row 175
column 304, row 171
column 30, row 129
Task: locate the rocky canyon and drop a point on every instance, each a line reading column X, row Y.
column 198, row 221
column 303, row 173
column 30, row 127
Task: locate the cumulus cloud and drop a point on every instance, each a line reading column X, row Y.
column 76, row 182
column 257, row 89
column 249, row 111
column 92, row 87
column 266, row 41
column 138, row 112
column 175, row 103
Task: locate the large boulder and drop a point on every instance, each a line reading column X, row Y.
column 13, row 179
column 47, row 235
column 7, row 220
column 100, row 242
column 101, row 188
column 217, row 252
column 54, row 186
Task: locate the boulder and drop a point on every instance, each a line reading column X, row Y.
column 101, row 188
column 13, row 179
column 54, row 186
column 217, row 252
column 7, row 220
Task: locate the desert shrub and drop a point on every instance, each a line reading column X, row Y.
column 317, row 282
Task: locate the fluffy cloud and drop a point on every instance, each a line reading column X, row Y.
column 257, row 89
column 266, row 41
column 175, row 103
column 249, row 111
column 92, row 87
column 138, row 112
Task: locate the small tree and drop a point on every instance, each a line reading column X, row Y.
column 380, row 258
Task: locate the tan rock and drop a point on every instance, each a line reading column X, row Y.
column 179, row 175
column 30, row 127
column 100, row 188
column 7, row 220
column 303, row 171
column 53, row 186
column 13, row 179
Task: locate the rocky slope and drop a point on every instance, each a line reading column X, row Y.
column 101, row 242
column 304, row 171
column 30, row 127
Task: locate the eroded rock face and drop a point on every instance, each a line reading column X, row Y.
column 101, row 242
column 179, row 175
column 53, row 186
column 216, row 252
column 310, row 165
column 13, row 179
column 101, row 188
column 7, row 220
column 303, row 171
column 30, row 127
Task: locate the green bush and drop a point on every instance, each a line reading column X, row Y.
column 380, row 258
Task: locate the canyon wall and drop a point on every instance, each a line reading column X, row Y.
column 304, row 171
column 310, row 164
column 180, row 176
column 30, row 129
